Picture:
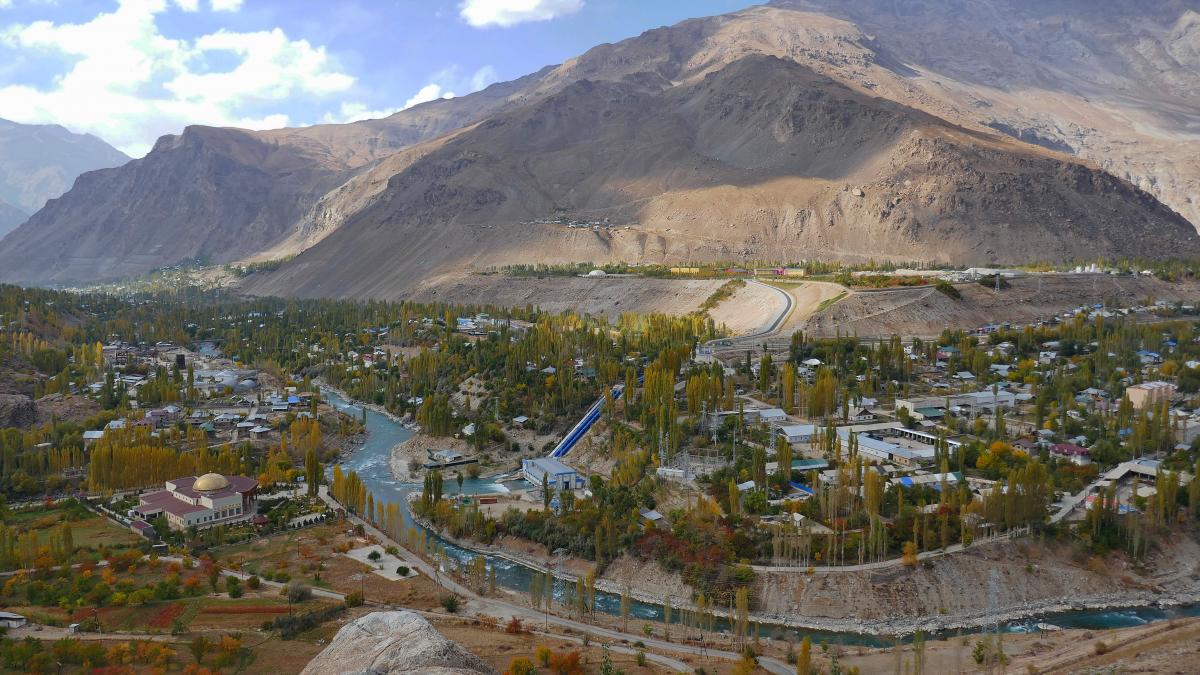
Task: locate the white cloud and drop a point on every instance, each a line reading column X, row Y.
column 443, row 84
column 188, row 5
column 128, row 83
column 430, row 92
column 356, row 112
column 483, row 77
column 226, row 5
column 505, row 13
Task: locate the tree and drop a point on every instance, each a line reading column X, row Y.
column 606, row 664
column 233, row 586
column 199, row 646
column 312, row 471
column 804, row 660
column 909, row 556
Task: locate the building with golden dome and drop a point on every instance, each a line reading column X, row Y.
column 200, row 502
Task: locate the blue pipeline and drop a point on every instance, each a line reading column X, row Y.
column 577, row 432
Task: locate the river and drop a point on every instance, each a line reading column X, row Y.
column 371, row 462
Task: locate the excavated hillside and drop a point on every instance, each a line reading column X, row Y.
column 762, row 158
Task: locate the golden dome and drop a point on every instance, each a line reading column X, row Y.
column 211, row 481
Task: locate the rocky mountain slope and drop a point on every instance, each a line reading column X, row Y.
column 761, row 158
column 10, row 218
column 39, row 162
column 810, row 129
column 216, row 195
column 393, row 643
column 1113, row 81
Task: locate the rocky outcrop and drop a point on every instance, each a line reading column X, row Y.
column 16, row 411
column 393, row 643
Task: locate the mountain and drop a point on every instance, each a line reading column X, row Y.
column 40, row 162
column 10, row 218
column 215, row 195
column 762, row 158
column 1116, row 82
column 792, row 131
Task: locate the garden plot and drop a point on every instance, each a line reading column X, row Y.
column 381, row 562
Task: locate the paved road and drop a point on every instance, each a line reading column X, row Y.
column 789, row 303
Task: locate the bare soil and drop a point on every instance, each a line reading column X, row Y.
column 925, row 311
column 609, row 296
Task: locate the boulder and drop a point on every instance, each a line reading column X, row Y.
column 16, row 411
column 393, row 643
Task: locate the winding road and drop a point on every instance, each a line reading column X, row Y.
column 789, row 304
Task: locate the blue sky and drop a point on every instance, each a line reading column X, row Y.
column 132, row 70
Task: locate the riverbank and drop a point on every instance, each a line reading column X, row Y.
column 648, row 586
column 946, row 594
column 353, row 401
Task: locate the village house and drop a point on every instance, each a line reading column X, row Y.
column 1072, row 453
column 1149, row 393
column 798, row 433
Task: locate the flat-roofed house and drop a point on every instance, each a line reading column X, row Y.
column 1149, row 393
column 558, row 476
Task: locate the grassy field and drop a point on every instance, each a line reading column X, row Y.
column 89, row 530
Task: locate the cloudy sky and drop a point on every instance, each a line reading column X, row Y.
column 130, row 71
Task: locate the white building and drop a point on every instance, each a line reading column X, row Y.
column 211, row 499
column 558, row 476
column 798, row 433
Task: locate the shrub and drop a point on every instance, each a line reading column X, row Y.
column 290, row 626
column 354, row 599
column 514, row 626
column 520, row 666
column 948, row 289
column 641, row 659
column 402, row 570
column 254, row 582
column 542, row 654
column 450, row 603
column 374, row 556
column 298, row 592
column 1101, row 648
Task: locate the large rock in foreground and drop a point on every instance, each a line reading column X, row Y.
column 393, row 643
